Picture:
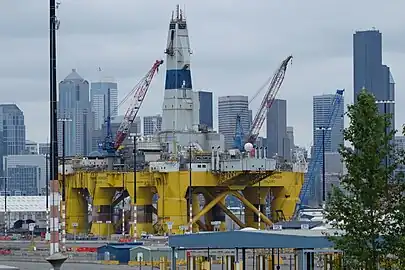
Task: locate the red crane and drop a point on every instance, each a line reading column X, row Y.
column 140, row 90
column 268, row 99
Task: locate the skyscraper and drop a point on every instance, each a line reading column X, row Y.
column 228, row 109
column 152, row 124
column 206, row 109
column 277, row 140
column 290, row 136
column 322, row 109
column 99, row 101
column 370, row 73
column 12, row 132
column 26, row 174
column 250, row 113
column 74, row 105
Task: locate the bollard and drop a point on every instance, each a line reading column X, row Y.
column 56, row 260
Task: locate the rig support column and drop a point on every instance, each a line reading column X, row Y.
column 144, row 207
column 253, row 196
column 102, row 211
column 172, row 203
column 76, row 211
column 196, row 210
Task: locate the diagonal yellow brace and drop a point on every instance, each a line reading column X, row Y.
column 252, row 207
column 226, row 210
column 209, row 206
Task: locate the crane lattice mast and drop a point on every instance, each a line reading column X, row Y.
column 268, row 99
column 140, row 92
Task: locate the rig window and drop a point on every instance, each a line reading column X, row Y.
column 182, row 26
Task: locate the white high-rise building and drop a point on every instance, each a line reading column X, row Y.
column 229, row 107
column 103, row 93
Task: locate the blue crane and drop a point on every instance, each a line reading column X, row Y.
column 238, row 142
column 314, row 164
column 108, row 144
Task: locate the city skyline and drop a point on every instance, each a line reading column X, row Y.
column 326, row 53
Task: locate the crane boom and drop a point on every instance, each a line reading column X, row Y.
column 140, row 92
column 268, row 99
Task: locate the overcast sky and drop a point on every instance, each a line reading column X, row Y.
column 236, row 46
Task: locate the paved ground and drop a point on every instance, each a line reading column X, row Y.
column 45, row 266
column 44, row 245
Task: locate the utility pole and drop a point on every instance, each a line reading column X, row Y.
column 53, row 22
column 56, row 259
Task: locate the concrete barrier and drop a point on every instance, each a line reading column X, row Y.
column 110, row 262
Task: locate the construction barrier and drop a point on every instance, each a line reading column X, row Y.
column 155, row 263
column 86, row 249
column 110, row 262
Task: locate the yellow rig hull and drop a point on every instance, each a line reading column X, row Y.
column 172, row 206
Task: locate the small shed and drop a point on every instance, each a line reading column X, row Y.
column 153, row 253
column 116, row 252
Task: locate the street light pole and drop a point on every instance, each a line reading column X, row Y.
column 323, row 167
column 47, row 193
column 134, row 201
column 190, row 192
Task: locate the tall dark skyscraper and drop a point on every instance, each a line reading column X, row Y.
column 74, row 104
column 277, row 139
column 369, row 71
column 206, row 108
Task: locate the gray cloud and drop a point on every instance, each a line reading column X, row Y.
column 236, row 46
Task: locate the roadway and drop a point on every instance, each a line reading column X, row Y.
column 27, row 244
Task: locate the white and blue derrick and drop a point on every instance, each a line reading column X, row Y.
column 178, row 79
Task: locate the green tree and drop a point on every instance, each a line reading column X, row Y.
column 395, row 237
column 360, row 206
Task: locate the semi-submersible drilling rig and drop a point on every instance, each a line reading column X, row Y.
column 179, row 165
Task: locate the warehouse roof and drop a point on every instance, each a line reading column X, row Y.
column 154, row 248
column 24, row 204
column 253, row 239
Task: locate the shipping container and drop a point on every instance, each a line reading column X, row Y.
column 116, row 252
column 153, row 253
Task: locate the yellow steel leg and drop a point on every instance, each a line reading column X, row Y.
column 145, row 211
column 253, row 208
column 196, row 209
column 208, row 215
column 172, row 204
column 102, row 198
column 221, row 204
column 256, row 196
column 287, row 195
column 283, row 200
column 76, row 211
column 209, row 206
